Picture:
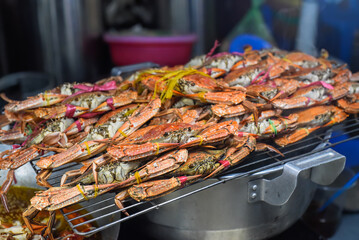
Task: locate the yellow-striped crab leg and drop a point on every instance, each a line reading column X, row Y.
column 153, row 189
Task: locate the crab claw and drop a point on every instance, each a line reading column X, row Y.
column 118, row 201
column 294, row 136
column 117, row 101
column 154, row 189
column 41, row 100
column 67, row 110
column 230, row 98
column 5, row 188
column 79, row 125
column 133, row 152
column 213, row 134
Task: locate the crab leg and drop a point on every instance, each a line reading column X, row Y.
column 233, row 159
column 119, row 100
column 295, row 136
column 78, row 151
column 153, row 189
column 12, row 135
column 133, row 151
column 229, row 98
column 80, row 125
column 213, row 134
column 41, row 100
column 60, row 111
column 160, row 166
column 137, row 119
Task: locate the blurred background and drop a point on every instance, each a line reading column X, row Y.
column 64, row 40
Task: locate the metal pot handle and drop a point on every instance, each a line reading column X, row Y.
column 322, row 168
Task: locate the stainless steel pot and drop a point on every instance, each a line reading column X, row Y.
column 252, row 207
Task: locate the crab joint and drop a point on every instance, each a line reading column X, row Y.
column 81, row 191
column 306, row 130
column 46, row 97
column 109, row 102
column 225, row 163
column 96, row 190
column 87, row 148
column 183, row 180
column 285, row 124
column 78, row 125
column 122, row 133
column 274, row 129
column 201, row 141
column 157, row 149
column 70, row 110
column 201, row 96
column 138, row 177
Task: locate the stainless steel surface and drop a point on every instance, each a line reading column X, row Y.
column 279, row 190
column 62, row 38
column 252, row 207
column 71, row 34
column 266, row 161
column 25, row 175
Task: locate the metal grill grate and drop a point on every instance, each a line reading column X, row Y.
column 105, row 214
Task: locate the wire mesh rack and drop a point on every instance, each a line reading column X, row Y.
column 103, row 213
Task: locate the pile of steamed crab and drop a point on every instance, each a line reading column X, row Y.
column 161, row 129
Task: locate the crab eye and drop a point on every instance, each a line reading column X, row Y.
column 192, row 84
column 166, row 134
column 191, row 166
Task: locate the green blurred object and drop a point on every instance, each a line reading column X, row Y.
column 252, row 23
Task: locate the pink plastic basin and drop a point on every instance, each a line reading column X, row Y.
column 167, row 50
